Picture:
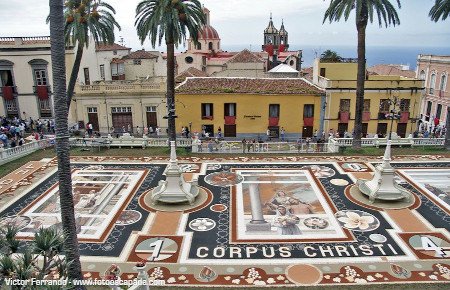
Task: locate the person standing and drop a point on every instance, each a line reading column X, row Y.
column 268, row 134
column 219, row 132
column 282, row 133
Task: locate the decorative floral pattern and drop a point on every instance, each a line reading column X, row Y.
column 128, row 217
column 315, row 223
column 202, row 224
column 223, row 179
column 357, row 220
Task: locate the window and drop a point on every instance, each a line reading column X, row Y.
column 422, row 75
column 344, row 105
column 137, row 62
column 230, row 110
column 443, row 83
column 210, row 46
column 207, row 111
column 432, row 83
column 188, row 59
column 308, row 111
column 366, row 106
column 199, row 46
column 429, row 105
column 121, row 110
column 322, row 72
column 291, row 62
column 404, row 105
column 115, row 52
column 151, row 108
column 438, row 111
column 117, row 70
column 40, row 77
column 102, row 71
column 92, row 109
column 384, row 105
column 87, row 80
column 274, row 111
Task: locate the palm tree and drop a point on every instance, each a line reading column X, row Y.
column 169, row 19
column 364, row 10
column 62, row 139
column 86, row 18
column 440, row 10
column 330, row 55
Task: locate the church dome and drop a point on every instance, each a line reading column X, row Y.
column 208, row 32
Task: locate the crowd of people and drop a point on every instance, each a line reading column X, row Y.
column 13, row 131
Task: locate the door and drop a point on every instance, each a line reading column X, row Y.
column 93, row 119
column 229, row 131
column 364, row 129
column 122, row 120
column 342, row 128
column 307, row 131
column 382, row 129
column 209, row 129
column 401, row 129
column 152, row 120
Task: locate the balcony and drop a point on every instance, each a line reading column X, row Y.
column 8, row 92
column 366, row 116
column 118, row 87
column 43, row 92
column 344, row 116
column 382, row 115
column 308, row 121
column 273, row 121
column 230, row 120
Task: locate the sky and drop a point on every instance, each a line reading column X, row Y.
column 242, row 22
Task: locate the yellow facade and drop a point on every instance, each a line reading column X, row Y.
column 339, row 80
column 252, row 112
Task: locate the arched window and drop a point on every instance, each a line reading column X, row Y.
column 422, row 75
column 432, row 83
column 199, row 46
column 210, row 46
column 443, row 83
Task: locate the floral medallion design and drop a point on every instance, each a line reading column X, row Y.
column 202, row 224
column 357, row 220
column 218, row 207
column 206, row 274
column 321, row 171
column 128, row 217
column 315, row 223
column 223, row 179
column 400, row 272
column 355, row 167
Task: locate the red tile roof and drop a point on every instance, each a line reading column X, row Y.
column 109, row 47
column 277, row 86
column 391, row 70
column 190, row 72
column 140, row 54
column 245, row 56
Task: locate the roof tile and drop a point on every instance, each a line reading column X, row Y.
column 282, row 86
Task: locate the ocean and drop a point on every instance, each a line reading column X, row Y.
column 374, row 54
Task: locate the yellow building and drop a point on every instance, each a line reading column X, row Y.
column 248, row 107
column 339, row 80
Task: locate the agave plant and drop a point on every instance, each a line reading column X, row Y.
column 48, row 243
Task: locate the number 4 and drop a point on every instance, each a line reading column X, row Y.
column 429, row 245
